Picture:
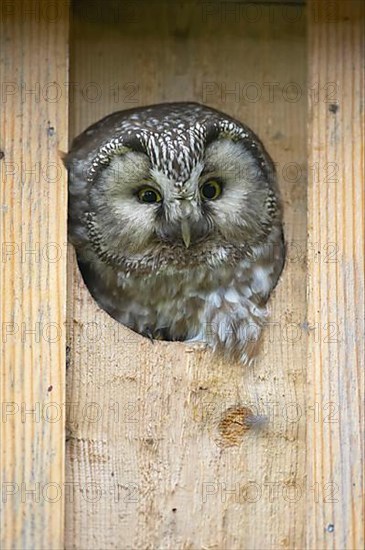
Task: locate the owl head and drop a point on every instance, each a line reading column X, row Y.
column 171, row 185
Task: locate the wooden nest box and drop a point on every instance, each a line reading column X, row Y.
column 159, row 453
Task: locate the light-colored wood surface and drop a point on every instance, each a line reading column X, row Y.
column 336, row 217
column 156, row 451
column 34, row 53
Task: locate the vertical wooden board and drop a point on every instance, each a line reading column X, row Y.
column 34, row 119
column 155, row 456
column 335, row 274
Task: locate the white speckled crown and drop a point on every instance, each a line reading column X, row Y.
column 173, row 136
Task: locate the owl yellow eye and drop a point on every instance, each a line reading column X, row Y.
column 149, row 195
column 211, row 190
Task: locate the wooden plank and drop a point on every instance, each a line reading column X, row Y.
column 152, row 453
column 34, row 115
column 336, row 275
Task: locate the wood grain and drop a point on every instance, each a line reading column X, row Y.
column 34, row 53
column 158, row 455
column 336, row 274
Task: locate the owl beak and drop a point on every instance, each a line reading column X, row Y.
column 185, row 231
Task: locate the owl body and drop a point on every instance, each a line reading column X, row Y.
column 176, row 219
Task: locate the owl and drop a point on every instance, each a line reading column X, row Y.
column 175, row 215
